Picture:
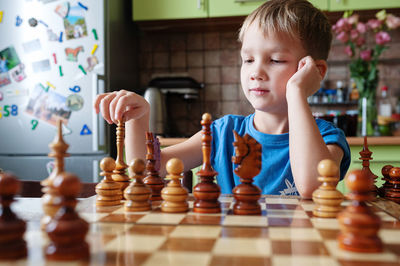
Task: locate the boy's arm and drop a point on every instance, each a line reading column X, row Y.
column 306, row 145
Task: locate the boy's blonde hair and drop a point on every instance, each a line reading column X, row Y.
column 297, row 18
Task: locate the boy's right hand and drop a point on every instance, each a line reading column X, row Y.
column 121, row 105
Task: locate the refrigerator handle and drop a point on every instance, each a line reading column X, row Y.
column 99, row 134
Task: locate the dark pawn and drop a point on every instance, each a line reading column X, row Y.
column 67, row 231
column 393, row 193
column 359, row 225
column 385, row 173
column 153, row 179
column 206, row 192
column 12, row 229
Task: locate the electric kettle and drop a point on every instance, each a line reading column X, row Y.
column 154, row 97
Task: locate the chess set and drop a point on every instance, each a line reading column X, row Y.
column 144, row 221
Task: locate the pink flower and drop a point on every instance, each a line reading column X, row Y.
column 366, row 55
column 392, row 22
column 343, row 25
column 360, row 41
column 382, row 38
column 343, row 37
column 361, row 27
column 348, row 51
column 353, row 34
column 374, row 23
column 353, row 19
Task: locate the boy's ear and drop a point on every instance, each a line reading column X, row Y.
column 322, row 67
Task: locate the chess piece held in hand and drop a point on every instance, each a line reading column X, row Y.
column 119, row 173
column 12, row 229
column 327, row 198
column 248, row 158
column 108, row 191
column 174, row 195
column 137, row 194
column 359, row 225
column 66, row 230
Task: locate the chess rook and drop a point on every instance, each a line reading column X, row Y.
column 248, row 158
column 137, row 194
column 359, row 225
column 108, row 191
column 174, row 195
column 12, row 229
column 206, row 192
column 393, row 193
column 58, row 151
column 152, row 179
column 327, row 198
column 119, row 173
column 66, row 230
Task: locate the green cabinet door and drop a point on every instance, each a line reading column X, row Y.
column 226, row 8
column 342, row 5
column 169, row 9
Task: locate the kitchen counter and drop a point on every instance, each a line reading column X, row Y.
column 351, row 140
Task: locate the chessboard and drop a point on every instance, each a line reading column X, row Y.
column 286, row 233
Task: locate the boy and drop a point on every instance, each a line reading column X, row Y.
column 285, row 44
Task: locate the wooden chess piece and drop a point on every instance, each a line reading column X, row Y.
column 108, row 191
column 174, row 195
column 387, row 185
column 327, row 198
column 393, row 193
column 359, row 225
column 153, row 180
column 119, row 173
column 206, row 192
column 137, row 194
column 366, row 157
column 12, row 229
column 66, row 230
column 58, row 151
column 248, row 158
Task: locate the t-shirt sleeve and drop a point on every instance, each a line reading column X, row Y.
column 334, row 135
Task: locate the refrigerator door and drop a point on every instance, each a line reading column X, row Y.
column 53, row 58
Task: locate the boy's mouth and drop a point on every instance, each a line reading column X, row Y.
column 258, row 91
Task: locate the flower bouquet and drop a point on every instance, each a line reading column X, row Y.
column 364, row 58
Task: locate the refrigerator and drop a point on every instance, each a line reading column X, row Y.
column 55, row 57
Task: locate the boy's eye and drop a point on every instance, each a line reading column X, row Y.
column 277, row 61
column 247, row 61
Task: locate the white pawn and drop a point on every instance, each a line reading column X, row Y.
column 174, row 195
column 108, row 191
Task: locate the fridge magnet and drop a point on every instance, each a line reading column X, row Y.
column 18, row 21
column 48, row 106
column 1, row 96
column 31, row 46
column 43, row 23
column 40, row 85
column 75, row 24
column 32, row 22
column 50, row 85
column 72, row 54
column 47, row 1
column 10, row 110
column 18, row 73
column 82, row 69
column 62, row 9
column 92, row 62
column 55, row 58
column 34, row 124
column 75, row 102
column 1, row 16
column 60, row 70
column 8, row 60
column 60, row 39
column 75, row 89
column 94, row 49
column 95, row 34
column 82, row 6
column 51, row 35
column 41, row 66
column 4, row 79
column 85, row 130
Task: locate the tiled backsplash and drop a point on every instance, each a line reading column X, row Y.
column 213, row 58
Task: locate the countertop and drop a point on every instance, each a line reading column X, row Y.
column 351, row 140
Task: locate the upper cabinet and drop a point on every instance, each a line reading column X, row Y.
column 342, row 5
column 169, row 9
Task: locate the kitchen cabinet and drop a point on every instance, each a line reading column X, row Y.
column 169, row 9
column 342, row 5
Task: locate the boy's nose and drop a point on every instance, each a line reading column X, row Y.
column 257, row 75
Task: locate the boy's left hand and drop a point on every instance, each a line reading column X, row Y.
column 308, row 77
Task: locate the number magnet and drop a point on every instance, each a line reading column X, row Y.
column 85, row 130
column 34, row 124
column 94, row 49
column 60, row 69
column 60, row 39
column 83, row 70
column 95, row 34
column 75, row 89
column 83, row 6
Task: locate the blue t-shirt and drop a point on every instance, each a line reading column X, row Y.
column 275, row 177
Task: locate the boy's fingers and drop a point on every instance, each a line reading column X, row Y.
column 105, row 107
column 113, row 105
column 97, row 102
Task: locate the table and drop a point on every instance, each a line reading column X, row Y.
column 285, row 234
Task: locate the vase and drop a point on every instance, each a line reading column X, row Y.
column 367, row 109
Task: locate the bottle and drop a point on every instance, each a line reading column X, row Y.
column 339, row 92
column 384, row 112
column 354, row 94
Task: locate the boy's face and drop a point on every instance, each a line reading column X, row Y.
column 268, row 62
